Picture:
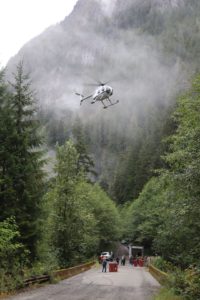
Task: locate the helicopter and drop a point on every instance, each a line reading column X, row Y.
column 102, row 92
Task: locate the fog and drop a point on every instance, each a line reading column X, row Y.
column 131, row 44
column 90, row 45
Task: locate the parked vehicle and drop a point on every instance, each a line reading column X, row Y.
column 106, row 255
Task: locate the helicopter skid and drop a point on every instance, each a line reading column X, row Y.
column 111, row 104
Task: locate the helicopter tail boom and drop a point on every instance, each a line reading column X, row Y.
column 82, row 98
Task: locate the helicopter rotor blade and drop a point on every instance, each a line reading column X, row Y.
column 91, row 84
column 100, row 83
column 104, row 83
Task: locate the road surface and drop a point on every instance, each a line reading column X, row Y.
column 129, row 283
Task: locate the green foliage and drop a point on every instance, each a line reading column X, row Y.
column 80, row 218
column 84, row 160
column 166, row 214
column 167, row 294
column 162, row 264
column 13, row 256
column 183, row 283
column 192, row 279
column 106, row 214
column 182, row 220
column 66, row 216
column 186, row 283
column 146, row 213
column 176, row 281
column 21, row 163
column 7, row 193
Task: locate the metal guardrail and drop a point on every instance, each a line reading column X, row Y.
column 159, row 275
column 66, row 273
column 62, row 274
column 36, row 279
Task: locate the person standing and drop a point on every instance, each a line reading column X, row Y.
column 104, row 265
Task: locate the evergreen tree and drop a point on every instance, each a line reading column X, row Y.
column 26, row 174
column 7, row 127
column 84, row 159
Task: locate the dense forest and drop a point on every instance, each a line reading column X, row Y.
column 73, row 181
column 54, row 222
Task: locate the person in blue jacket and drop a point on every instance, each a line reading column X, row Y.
column 104, row 264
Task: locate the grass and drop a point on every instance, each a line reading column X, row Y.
column 166, row 294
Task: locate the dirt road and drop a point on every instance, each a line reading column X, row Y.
column 128, row 283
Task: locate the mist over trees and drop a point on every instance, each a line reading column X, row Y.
column 148, row 50
column 166, row 214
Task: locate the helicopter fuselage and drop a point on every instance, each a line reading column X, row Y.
column 102, row 92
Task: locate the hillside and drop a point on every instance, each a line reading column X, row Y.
column 148, row 49
column 92, row 43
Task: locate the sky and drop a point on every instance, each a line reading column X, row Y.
column 21, row 20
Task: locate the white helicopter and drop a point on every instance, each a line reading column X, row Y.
column 103, row 92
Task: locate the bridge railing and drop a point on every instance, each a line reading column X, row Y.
column 66, row 273
column 159, row 275
column 61, row 274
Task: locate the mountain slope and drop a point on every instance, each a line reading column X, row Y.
column 148, row 49
column 93, row 43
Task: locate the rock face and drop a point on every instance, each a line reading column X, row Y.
column 98, row 40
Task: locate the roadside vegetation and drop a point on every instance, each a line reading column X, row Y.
column 183, row 283
column 166, row 294
column 165, row 216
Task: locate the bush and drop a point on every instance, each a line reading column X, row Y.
column 192, row 279
column 167, row 294
column 176, row 281
column 186, row 283
column 13, row 256
column 162, row 264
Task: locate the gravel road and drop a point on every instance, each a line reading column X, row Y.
column 129, row 283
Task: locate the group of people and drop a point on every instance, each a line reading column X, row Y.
column 105, row 262
column 139, row 260
column 136, row 261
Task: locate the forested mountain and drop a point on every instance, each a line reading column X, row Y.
column 148, row 49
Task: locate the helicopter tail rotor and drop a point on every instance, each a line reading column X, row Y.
column 81, row 97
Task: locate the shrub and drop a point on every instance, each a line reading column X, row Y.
column 162, row 264
column 167, row 294
column 183, row 283
column 186, row 283
column 192, row 279
column 13, row 256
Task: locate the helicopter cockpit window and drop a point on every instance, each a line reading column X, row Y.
column 108, row 89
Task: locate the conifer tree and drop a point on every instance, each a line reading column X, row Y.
column 27, row 174
column 7, row 194
column 84, row 160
